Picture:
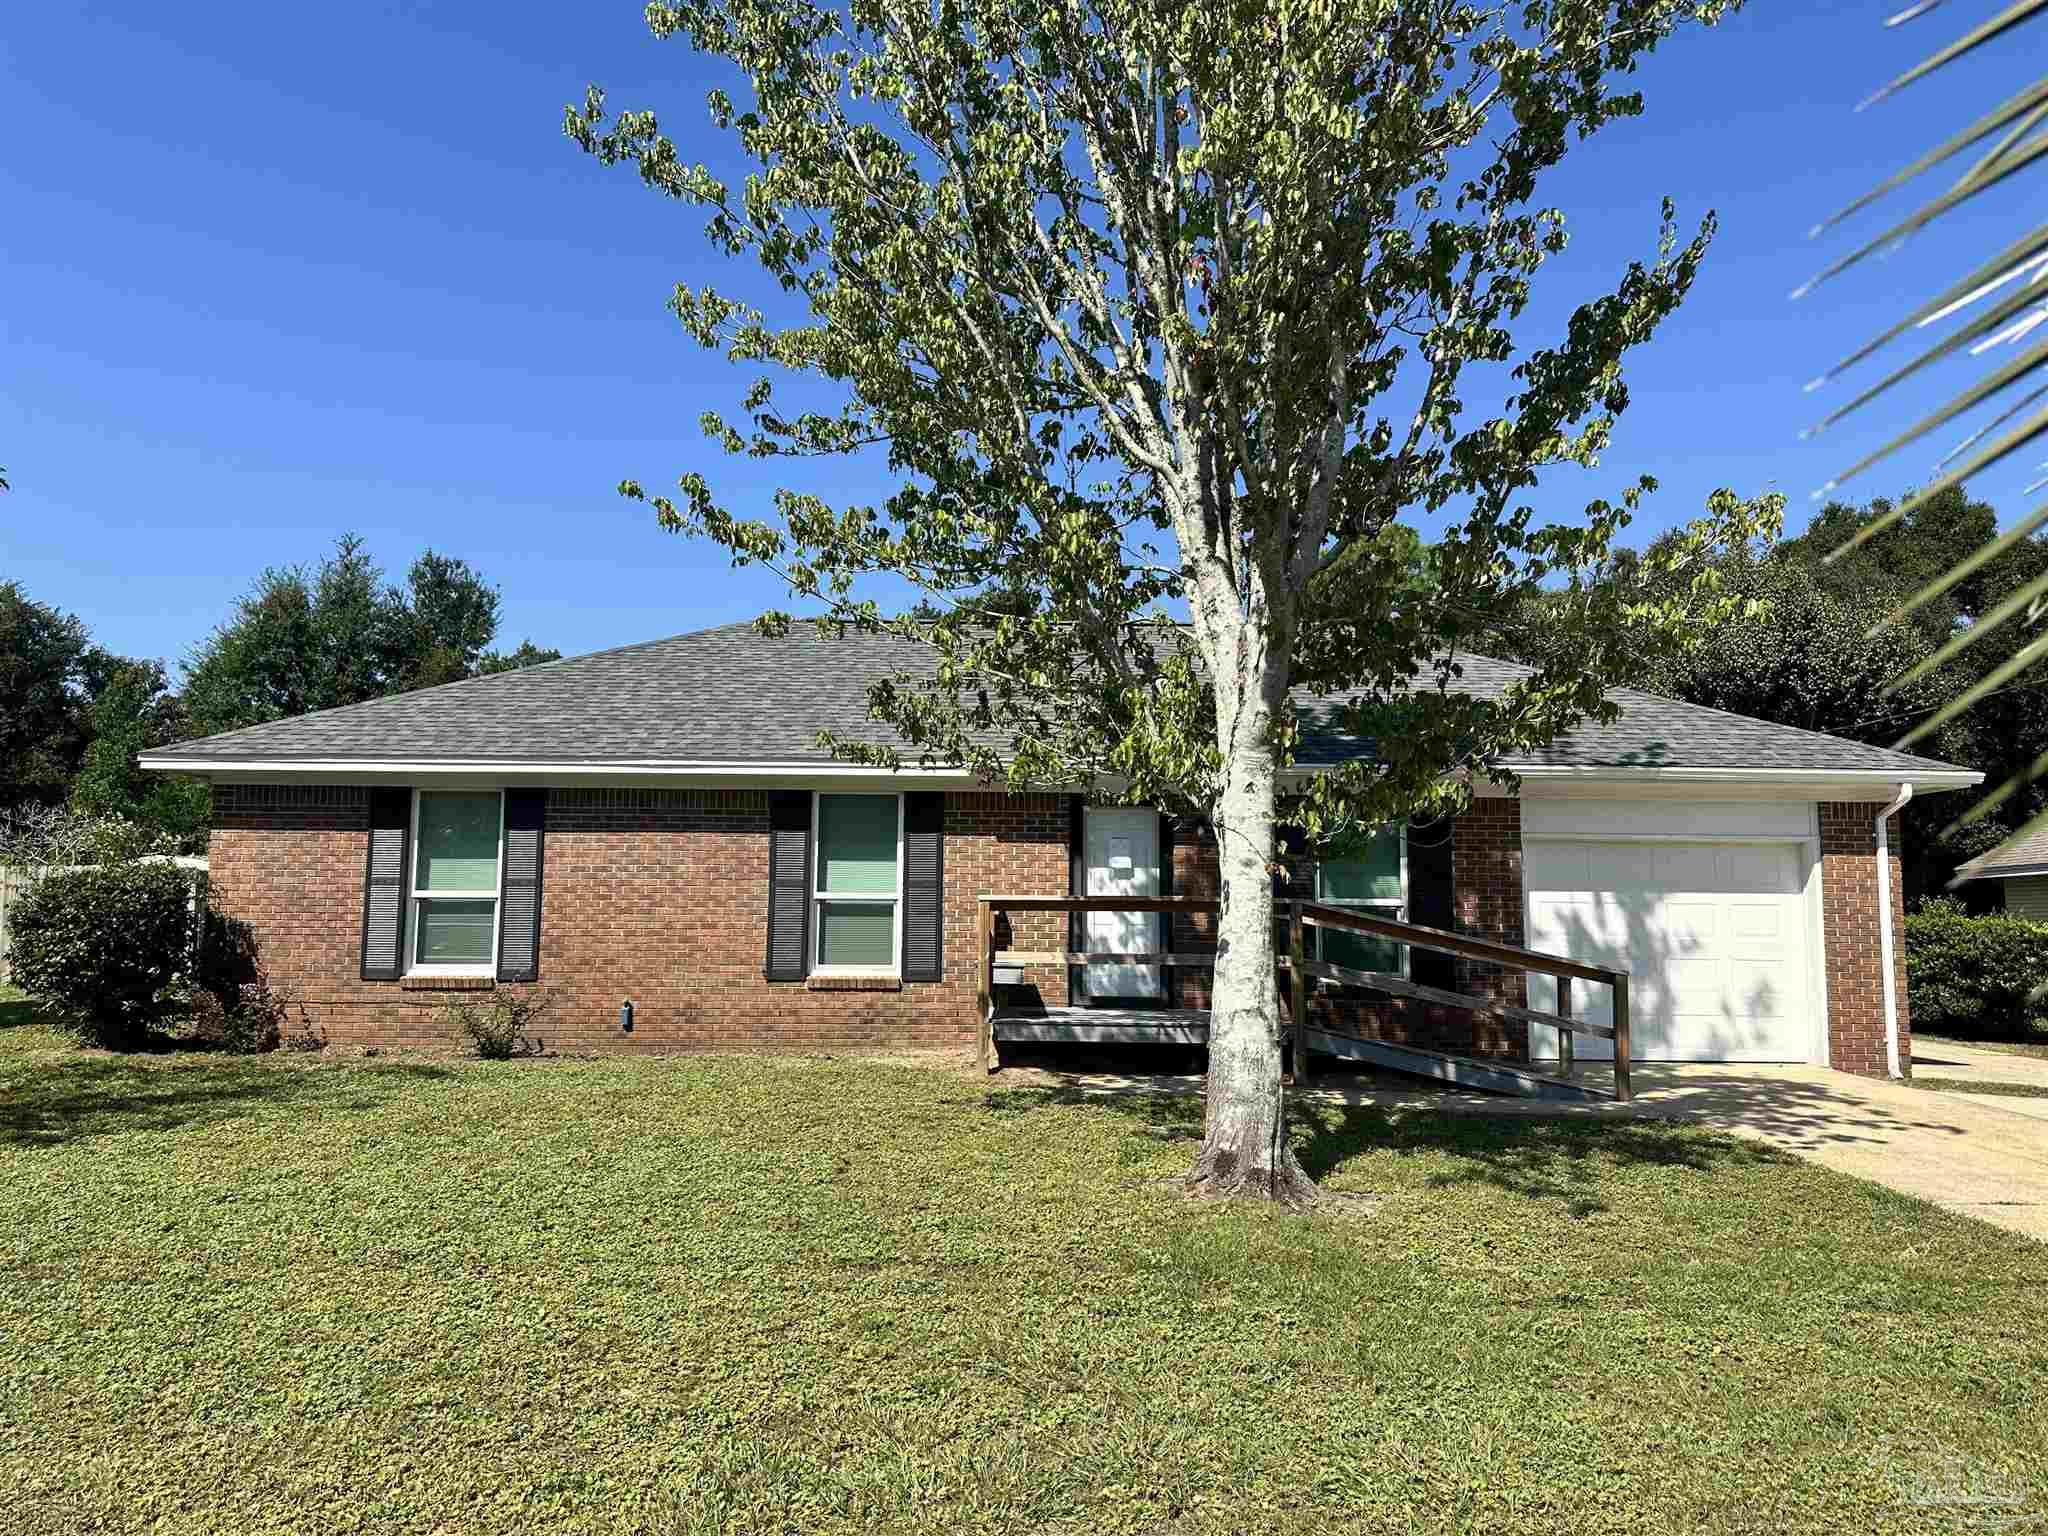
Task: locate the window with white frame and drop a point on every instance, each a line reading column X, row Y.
column 1374, row 880
column 857, row 883
column 453, row 917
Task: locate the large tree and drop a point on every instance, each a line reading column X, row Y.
column 315, row 637
column 49, row 671
column 1159, row 305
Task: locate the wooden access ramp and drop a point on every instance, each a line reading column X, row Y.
column 1188, row 1026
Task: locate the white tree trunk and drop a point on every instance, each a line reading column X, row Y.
column 1244, row 1143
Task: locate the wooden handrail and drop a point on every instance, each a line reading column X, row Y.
column 1104, row 957
column 1302, row 914
column 1401, row 986
column 1318, row 915
column 1195, row 904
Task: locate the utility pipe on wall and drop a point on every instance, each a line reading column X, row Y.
column 1884, row 928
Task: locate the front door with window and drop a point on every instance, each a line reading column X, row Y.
column 1122, row 859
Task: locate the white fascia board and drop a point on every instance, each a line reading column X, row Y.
column 1540, row 779
column 1863, row 781
column 2005, row 872
column 610, row 774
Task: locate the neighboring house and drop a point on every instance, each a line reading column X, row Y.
column 2021, row 868
column 656, row 824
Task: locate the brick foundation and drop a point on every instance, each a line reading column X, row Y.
column 1848, row 851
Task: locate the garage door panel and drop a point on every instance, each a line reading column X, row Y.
column 1693, row 867
column 1714, row 937
column 1612, row 867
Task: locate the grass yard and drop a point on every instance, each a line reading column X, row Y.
column 299, row 1294
column 1982, row 1085
column 2037, row 1046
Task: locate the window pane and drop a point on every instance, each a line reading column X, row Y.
column 1374, row 875
column 454, row 933
column 458, row 842
column 857, row 933
column 1362, row 951
column 857, row 845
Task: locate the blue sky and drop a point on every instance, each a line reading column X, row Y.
column 268, row 273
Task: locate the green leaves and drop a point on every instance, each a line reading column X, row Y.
column 1161, row 312
column 2018, row 129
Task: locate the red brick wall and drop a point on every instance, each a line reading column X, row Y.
column 658, row 895
column 1486, row 896
column 1848, row 851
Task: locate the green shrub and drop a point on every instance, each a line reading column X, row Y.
column 497, row 1028
column 1975, row 977
column 99, row 947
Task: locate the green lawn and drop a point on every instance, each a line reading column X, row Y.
column 2034, row 1047
column 804, row 1295
column 1982, row 1085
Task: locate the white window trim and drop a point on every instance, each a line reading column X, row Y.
column 1377, row 903
column 819, row 898
column 414, row 896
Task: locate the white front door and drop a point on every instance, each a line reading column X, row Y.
column 1714, row 937
column 1121, row 851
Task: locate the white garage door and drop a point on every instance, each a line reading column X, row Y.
column 1714, row 937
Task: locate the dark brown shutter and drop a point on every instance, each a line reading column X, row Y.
column 519, row 898
column 384, row 884
column 924, row 886
column 789, row 885
column 1429, row 900
column 1077, row 885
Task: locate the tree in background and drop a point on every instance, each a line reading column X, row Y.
column 134, row 712
column 305, row 638
column 47, row 667
column 1154, row 305
column 525, row 654
column 1993, row 309
column 1827, row 648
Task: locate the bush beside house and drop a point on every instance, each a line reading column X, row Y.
column 101, row 946
column 1975, row 976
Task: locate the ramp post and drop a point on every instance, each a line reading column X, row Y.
column 1297, row 993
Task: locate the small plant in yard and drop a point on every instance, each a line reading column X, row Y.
column 246, row 1019
column 497, row 1028
column 307, row 1038
column 100, row 947
column 232, row 1003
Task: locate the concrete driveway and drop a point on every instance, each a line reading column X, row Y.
column 1975, row 1154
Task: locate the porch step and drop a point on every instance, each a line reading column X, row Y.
column 1104, row 1026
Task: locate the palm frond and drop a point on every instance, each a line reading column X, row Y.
column 1988, row 318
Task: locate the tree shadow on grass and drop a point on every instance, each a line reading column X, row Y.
column 69, row 1101
column 1561, row 1160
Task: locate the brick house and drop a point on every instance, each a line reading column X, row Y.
column 656, row 825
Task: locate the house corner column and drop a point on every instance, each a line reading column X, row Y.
column 1850, row 939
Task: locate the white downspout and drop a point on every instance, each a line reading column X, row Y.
column 1884, row 929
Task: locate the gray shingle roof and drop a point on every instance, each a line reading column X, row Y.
column 2026, row 855
column 732, row 695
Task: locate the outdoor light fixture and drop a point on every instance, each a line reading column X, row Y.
column 626, row 1016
